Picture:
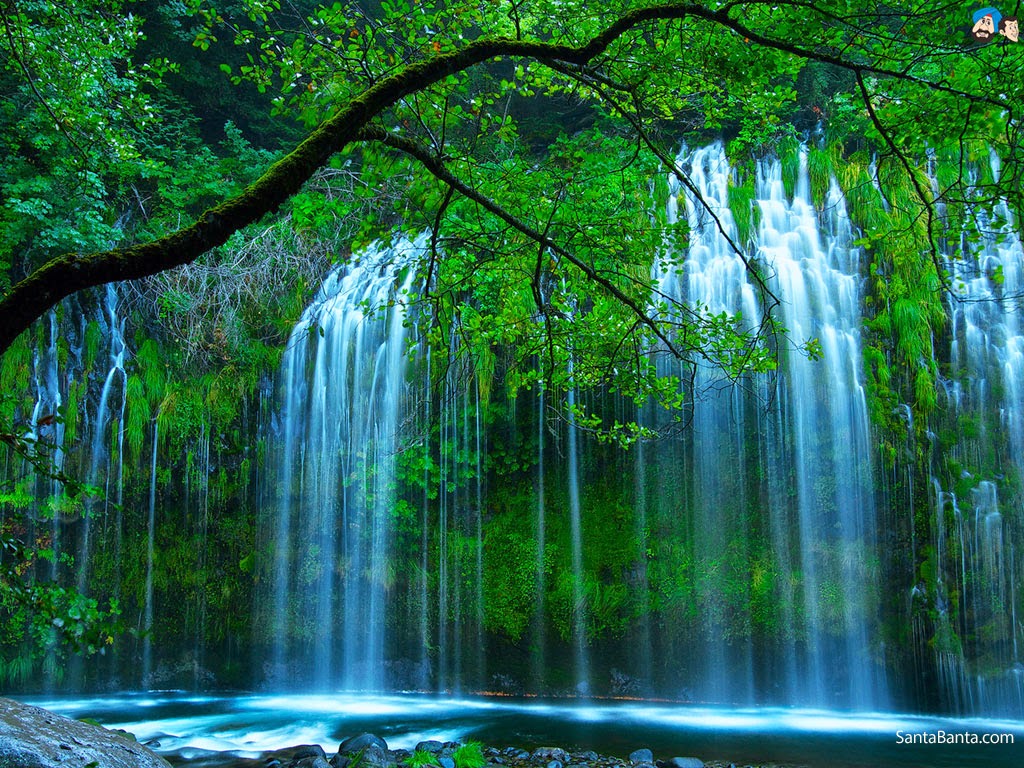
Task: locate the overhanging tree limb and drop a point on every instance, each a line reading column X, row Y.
column 69, row 273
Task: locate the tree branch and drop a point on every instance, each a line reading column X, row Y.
column 71, row 272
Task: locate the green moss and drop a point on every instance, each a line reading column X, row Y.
column 741, row 204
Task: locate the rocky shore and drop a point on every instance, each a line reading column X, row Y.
column 370, row 751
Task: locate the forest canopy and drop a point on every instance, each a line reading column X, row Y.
column 523, row 135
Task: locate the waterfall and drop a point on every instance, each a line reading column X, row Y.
column 976, row 603
column 804, row 439
column 103, row 453
column 342, row 388
column 816, row 272
column 737, row 560
column 581, row 661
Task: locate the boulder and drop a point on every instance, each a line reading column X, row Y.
column 641, row 756
column 308, row 750
column 433, row 747
column 362, row 741
column 31, row 737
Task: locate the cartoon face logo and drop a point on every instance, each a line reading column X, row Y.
column 985, row 22
column 1009, row 28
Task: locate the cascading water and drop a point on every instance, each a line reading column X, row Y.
column 343, row 389
column 106, row 456
column 735, row 561
column 812, row 547
column 976, row 604
column 824, row 413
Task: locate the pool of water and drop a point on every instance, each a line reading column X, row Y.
column 212, row 729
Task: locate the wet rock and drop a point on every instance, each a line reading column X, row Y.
column 362, row 741
column 683, row 762
column 433, row 747
column 311, row 762
column 407, row 675
column 31, row 737
column 544, row 755
column 340, row 761
column 588, row 757
column 446, row 761
column 554, row 764
column 624, row 685
column 374, row 755
column 641, row 756
column 308, row 750
column 506, row 684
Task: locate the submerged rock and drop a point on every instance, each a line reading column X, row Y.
column 31, row 737
column 641, row 756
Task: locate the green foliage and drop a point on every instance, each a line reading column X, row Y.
column 469, row 755
column 421, row 758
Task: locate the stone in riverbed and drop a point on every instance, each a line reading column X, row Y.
column 433, row 747
column 446, row 761
column 641, row 756
column 544, row 755
column 31, row 737
column 311, row 762
column 682, row 762
column 362, row 741
column 308, row 750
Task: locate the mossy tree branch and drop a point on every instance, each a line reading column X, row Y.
column 64, row 275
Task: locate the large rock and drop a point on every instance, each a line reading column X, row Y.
column 362, row 741
column 31, row 737
column 641, row 756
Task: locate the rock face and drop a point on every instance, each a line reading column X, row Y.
column 31, row 737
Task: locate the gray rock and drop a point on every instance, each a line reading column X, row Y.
column 684, row 762
column 544, row 755
column 340, row 761
column 587, row 757
column 311, row 762
column 31, row 737
column 554, row 764
column 374, row 755
column 308, row 750
column 641, row 756
column 362, row 741
column 446, row 761
column 433, row 747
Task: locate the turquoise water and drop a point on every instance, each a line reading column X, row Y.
column 212, row 729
